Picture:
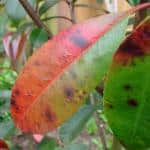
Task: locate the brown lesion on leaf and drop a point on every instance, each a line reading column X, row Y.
column 108, row 104
column 69, row 93
column 136, row 45
column 132, row 102
column 14, row 104
column 49, row 115
column 16, row 92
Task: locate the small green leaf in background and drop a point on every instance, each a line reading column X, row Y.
column 15, row 10
column 91, row 126
column 134, row 2
column 47, row 5
column 47, row 144
column 37, row 37
column 3, row 22
column 100, row 1
column 74, row 147
column 6, row 124
column 70, row 129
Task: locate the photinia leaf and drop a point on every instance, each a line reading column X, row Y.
column 3, row 145
column 126, row 94
column 58, row 77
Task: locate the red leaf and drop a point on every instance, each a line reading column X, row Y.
column 3, row 145
column 36, row 92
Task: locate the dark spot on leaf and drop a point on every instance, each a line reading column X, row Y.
column 127, row 87
column 14, row 105
column 146, row 32
column 84, row 92
column 136, row 45
column 50, row 116
column 16, row 92
column 69, row 92
column 37, row 63
column 132, row 102
column 131, row 47
column 12, row 102
column 78, row 40
column 108, row 105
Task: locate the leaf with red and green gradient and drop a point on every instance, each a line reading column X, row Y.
column 3, row 145
column 58, row 77
column 127, row 90
column 14, row 46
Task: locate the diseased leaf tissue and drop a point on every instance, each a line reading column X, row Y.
column 127, row 92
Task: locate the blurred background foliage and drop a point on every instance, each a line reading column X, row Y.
column 20, row 36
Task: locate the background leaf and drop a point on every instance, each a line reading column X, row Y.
column 47, row 144
column 47, row 5
column 134, row 2
column 15, row 10
column 38, row 36
column 70, row 129
column 6, row 124
column 126, row 93
column 74, row 147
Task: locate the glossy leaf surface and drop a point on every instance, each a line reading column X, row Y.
column 127, row 91
column 58, row 77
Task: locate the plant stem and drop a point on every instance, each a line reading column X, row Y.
column 101, row 130
column 72, row 10
column 32, row 13
column 116, row 144
column 57, row 17
column 100, row 125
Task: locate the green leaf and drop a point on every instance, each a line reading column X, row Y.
column 91, row 126
column 70, row 129
column 47, row 5
column 100, row 1
column 127, row 90
column 47, row 144
column 3, row 22
column 15, row 10
column 74, row 147
column 6, row 124
column 38, row 36
column 134, row 2
column 7, row 128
